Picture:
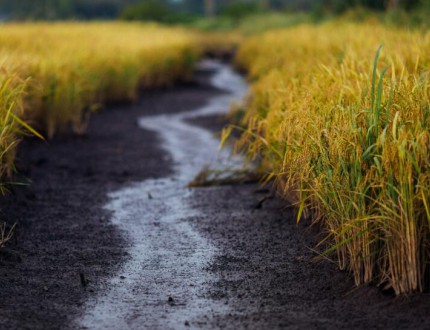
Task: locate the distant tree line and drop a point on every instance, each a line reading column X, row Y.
column 236, row 9
column 342, row 5
column 63, row 9
column 334, row 5
column 171, row 10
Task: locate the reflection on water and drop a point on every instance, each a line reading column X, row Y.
column 163, row 284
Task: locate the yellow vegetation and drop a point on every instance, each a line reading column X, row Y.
column 74, row 66
column 53, row 75
column 345, row 131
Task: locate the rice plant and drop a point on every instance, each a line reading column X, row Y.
column 54, row 75
column 342, row 124
column 75, row 67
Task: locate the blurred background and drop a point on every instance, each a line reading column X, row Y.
column 221, row 13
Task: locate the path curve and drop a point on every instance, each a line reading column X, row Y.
column 162, row 285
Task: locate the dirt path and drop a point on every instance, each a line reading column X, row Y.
column 160, row 256
column 63, row 230
column 168, row 256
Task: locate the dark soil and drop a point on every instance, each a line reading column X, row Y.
column 66, row 249
column 213, row 123
column 270, row 275
column 270, row 279
column 64, row 238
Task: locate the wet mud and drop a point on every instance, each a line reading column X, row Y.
column 63, row 230
column 165, row 273
column 110, row 237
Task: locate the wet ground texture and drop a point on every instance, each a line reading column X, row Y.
column 241, row 264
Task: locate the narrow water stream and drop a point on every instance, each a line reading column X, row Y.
column 163, row 284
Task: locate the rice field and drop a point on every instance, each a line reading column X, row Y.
column 339, row 118
column 53, row 76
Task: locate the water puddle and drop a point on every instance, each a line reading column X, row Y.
column 163, row 284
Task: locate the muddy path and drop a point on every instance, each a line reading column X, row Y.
column 168, row 255
column 110, row 237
